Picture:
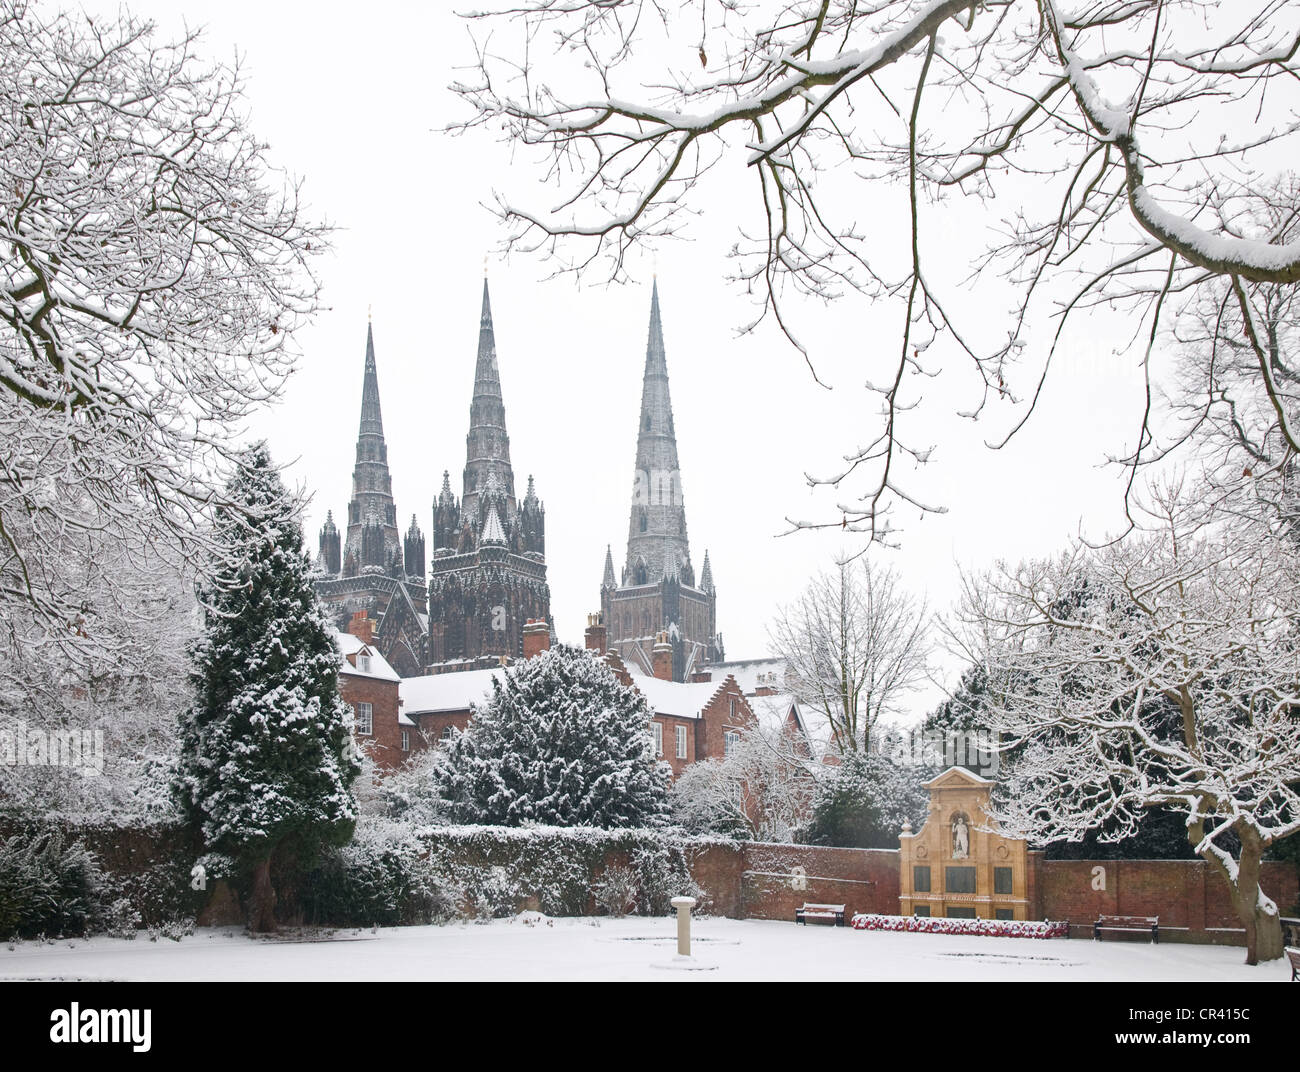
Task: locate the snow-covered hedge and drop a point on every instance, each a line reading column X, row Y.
column 382, row 877
column 392, row 873
column 993, row 928
column 564, row 870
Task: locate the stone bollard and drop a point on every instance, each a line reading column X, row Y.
column 683, row 905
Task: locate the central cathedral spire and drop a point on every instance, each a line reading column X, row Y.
column 487, row 581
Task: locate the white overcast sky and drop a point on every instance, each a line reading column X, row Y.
column 351, row 98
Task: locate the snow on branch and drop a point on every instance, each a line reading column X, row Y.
column 1111, row 133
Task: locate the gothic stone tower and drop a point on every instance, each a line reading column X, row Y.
column 375, row 570
column 488, row 574
column 658, row 590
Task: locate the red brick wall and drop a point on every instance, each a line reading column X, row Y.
column 670, row 725
column 385, row 743
column 1185, row 894
column 433, row 726
column 719, row 870
column 863, row 880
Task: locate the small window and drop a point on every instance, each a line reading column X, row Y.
column 658, row 730
column 1003, row 913
column 921, row 879
column 447, row 731
column 681, row 742
column 733, row 708
column 363, row 663
column 730, row 741
column 406, row 740
column 1002, row 880
column 959, row 879
column 921, row 910
column 365, row 718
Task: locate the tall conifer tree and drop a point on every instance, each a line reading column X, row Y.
column 267, row 756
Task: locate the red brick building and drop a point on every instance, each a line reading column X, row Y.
column 690, row 721
column 373, row 689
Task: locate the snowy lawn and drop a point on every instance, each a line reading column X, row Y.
column 531, row 947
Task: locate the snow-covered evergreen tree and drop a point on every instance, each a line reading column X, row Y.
column 561, row 742
column 267, row 756
column 867, row 799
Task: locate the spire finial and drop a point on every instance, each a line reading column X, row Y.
column 370, row 314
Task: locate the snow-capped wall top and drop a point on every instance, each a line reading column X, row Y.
column 436, row 693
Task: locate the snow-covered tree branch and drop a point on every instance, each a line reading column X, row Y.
column 1158, row 672
column 855, row 647
column 1128, row 140
column 152, row 269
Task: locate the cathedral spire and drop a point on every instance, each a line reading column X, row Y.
column 487, row 447
column 371, row 507
column 706, row 575
column 608, row 580
column 656, row 543
column 372, row 422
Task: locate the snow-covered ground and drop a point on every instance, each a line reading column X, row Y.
column 532, row 947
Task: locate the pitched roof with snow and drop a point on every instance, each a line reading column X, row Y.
column 685, row 699
column 350, row 645
column 772, row 712
column 751, row 673
column 438, row 693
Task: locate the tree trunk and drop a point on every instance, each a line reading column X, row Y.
column 261, row 913
column 1257, row 912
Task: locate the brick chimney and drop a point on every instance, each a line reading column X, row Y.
column 362, row 626
column 662, row 658
column 596, row 635
column 537, row 637
column 702, row 675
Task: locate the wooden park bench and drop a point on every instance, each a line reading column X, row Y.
column 1131, row 924
column 1293, row 955
column 820, row 911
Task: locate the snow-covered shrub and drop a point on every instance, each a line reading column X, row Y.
column 616, row 891
column 381, row 877
column 173, row 929
column 122, row 919
column 495, row 895
column 992, row 928
column 663, row 872
column 560, row 742
column 409, row 793
column 48, row 886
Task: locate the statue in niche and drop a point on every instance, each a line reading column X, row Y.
column 960, row 837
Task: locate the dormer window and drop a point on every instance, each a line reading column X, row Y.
column 363, row 663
